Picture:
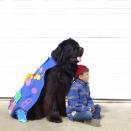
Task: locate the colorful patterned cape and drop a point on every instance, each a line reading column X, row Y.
column 28, row 95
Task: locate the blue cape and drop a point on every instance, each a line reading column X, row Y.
column 28, row 95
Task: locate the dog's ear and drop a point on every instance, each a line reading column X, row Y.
column 57, row 54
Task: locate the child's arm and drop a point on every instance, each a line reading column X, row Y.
column 90, row 104
column 74, row 101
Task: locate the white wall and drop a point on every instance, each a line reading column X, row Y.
column 31, row 29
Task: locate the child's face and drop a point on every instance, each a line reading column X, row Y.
column 84, row 76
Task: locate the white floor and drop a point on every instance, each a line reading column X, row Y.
column 116, row 117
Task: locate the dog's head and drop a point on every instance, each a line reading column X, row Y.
column 68, row 51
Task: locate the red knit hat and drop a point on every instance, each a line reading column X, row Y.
column 80, row 70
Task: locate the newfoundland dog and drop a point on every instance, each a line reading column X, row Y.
column 51, row 102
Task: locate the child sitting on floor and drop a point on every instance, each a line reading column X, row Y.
column 80, row 106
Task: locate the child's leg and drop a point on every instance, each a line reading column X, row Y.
column 21, row 115
column 96, row 113
column 83, row 116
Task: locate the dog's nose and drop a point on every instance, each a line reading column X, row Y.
column 81, row 49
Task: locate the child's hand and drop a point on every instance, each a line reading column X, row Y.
column 91, row 109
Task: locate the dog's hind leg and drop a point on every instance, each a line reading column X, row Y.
column 36, row 112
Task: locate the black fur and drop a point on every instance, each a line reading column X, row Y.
column 51, row 103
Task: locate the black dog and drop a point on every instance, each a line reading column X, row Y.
column 51, row 103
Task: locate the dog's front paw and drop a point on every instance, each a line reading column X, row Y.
column 54, row 118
